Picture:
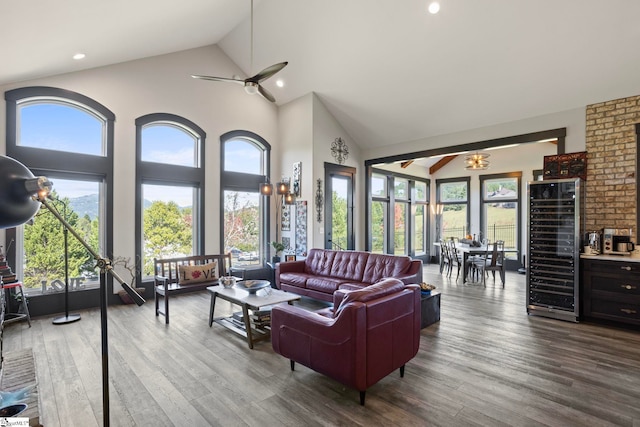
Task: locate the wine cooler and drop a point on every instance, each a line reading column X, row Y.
column 554, row 230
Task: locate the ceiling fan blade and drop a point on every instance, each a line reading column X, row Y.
column 266, row 93
column 218, row 79
column 267, row 72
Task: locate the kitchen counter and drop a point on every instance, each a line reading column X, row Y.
column 603, row 257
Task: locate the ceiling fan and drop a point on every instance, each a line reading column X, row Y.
column 251, row 84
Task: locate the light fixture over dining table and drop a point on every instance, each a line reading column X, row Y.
column 476, row 161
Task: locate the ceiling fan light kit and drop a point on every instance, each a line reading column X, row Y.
column 251, row 84
column 476, row 161
column 251, row 88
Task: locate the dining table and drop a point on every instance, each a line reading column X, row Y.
column 467, row 251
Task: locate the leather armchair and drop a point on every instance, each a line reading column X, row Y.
column 370, row 333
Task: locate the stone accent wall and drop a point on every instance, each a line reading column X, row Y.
column 611, row 164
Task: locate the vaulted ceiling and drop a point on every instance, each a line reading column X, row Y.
column 388, row 70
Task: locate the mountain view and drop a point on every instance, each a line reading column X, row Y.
column 88, row 205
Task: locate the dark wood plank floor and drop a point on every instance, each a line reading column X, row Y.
column 486, row 363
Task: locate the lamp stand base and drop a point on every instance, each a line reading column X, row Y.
column 63, row 320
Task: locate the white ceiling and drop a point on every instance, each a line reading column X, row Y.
column 387, row 70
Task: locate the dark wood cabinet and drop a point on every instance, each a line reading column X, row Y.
column 611, row 290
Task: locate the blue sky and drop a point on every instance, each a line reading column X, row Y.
column 64, row 128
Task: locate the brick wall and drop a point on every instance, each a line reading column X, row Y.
column 611, row 163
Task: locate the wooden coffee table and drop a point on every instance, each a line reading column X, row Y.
column 244, row 299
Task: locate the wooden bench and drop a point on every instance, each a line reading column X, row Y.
column 181, row 275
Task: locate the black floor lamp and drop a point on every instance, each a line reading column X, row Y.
column 21, row 195
column 67, row 318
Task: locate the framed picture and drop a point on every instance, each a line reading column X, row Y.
column 288, row 258
column 572, row 165
column 297, row 176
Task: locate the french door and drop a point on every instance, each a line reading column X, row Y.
column 339, row 189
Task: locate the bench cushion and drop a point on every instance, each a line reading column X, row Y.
column 188, row 274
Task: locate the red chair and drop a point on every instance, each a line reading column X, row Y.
column 370, row 333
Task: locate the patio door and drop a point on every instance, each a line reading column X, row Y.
column 339, row 189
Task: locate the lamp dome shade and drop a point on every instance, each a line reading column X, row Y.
column 16, row 203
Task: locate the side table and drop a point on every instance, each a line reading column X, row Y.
column 430, row 306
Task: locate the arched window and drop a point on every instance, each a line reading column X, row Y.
column 244, row 212
column 169, row 188
column 68, row 138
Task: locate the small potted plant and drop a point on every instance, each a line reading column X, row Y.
column 279, row 247
column 126, row 264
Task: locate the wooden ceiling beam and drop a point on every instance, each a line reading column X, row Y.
column 406, row 164
column 441, row 163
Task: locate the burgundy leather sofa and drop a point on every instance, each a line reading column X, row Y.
column 325, row 271
column 370, row 333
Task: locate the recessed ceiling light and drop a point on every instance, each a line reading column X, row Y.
column 79, row 56
column 280, row 83
column 434, row 7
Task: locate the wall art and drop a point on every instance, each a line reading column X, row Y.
column 301, row 228
column 570, row 165
column 285, row 218
column 297, row 177
column 286, row 242
column 319, row 201
column 339, row 150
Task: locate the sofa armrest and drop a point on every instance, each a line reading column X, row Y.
column 314, row 325
column 414, row 275
column 288, row 267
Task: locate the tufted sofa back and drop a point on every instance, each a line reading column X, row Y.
column 354, row 265
column 318, row 262
column 380, row 266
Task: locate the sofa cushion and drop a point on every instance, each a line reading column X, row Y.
column 295, row 279
column 349, row 265
column 380, row 266
column 385, row 287
column 323, row 284
column 318, row 262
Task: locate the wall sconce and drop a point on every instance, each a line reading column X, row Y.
column 266, row 189
column 319, row 201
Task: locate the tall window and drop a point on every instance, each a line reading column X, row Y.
column 68, row 138
column 379, row 213
column 401, row 215
column 399, row 205
column 244, row 212
column 170, row 185
column 501, row 207
column 452, row 217
column 420, row 217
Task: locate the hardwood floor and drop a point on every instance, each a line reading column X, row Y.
column 486, row 363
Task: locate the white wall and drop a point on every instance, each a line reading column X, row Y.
column 325, row 130
column 164, row 84
column 295, row 119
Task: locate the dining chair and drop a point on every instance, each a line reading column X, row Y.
column 445, row 264
column 493, row 261
column 455, row 258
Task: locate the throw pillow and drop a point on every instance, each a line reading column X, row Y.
column 188, row 274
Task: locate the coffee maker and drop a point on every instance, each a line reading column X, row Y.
column 614, row 239
column 594, row 239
